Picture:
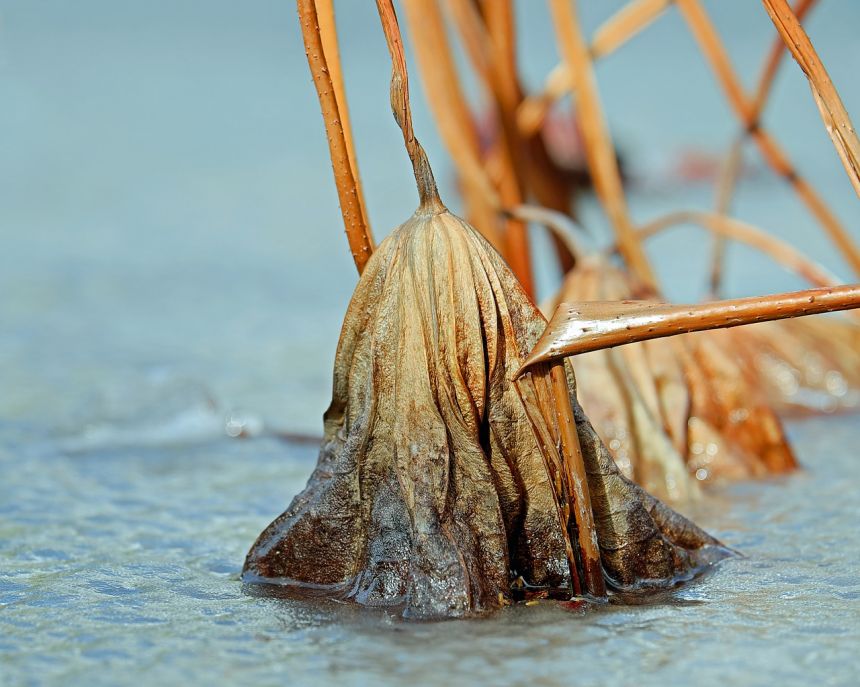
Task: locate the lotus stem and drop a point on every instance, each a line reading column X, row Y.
column 609, row 36
column 452, row 114
column 774, row 58
column 328, row 34
column 783, row 253
column 562, row 227
column 577, row 484
column 634, row 17
column 498, row 28
column 592, row 326
column 400, row 107
column 522, row 164
column 706, row 35
column 731, row 168
column 725, row 191
column 325, row 70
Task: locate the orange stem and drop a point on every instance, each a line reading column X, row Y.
column 400, row 107
column 592, row 326
column 730, row 228
column 598, row 145
column 706, row 35
column 833, row 112
column 771, row 65
column 452, row 114
column 577, row 484
column 349, row 193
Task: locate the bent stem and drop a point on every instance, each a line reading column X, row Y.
column 729, row 228
column 452, row 114
column 609, row 37
column 428, row 194
column 325, row 70
column 561, row 226
column 592, row 326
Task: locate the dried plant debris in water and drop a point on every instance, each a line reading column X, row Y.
column 697, row 400
column 431, row 492
column 674, row 412
column 444, row 488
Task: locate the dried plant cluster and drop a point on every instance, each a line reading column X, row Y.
column 730, row 387
column 674, row 412
column 458, row 472
column 687, row 410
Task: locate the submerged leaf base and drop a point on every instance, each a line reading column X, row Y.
column 432, row 494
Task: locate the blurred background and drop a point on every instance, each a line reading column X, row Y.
column 170, row 227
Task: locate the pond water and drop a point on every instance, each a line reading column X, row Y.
column 173, row 272
column 119, row 564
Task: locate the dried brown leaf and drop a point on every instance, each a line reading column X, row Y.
column 432, row 486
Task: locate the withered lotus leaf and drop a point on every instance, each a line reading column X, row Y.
column 432, row 493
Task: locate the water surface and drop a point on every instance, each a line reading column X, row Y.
column 120, row 565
